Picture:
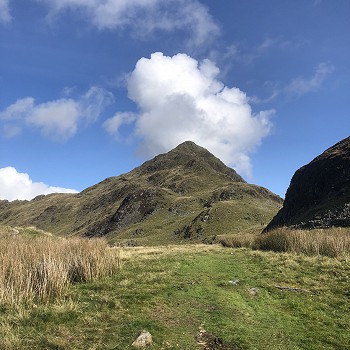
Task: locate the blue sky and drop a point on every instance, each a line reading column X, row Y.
column 91, row 89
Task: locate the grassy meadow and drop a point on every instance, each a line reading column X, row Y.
column 244, row 299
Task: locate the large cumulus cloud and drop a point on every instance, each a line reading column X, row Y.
column 181, row 99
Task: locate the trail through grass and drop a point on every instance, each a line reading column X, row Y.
column 173, row 291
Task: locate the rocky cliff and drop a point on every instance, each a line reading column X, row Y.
column 319, row 192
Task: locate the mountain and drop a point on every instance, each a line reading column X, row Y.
column 185, row 194
column 319, row 192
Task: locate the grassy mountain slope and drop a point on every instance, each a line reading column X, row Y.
column 185, row 194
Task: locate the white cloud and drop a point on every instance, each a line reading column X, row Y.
column 301, row 86
column 113, row 125
column 94, row 102
column 297, row 86
column 143, row 17
column 247, row 54
column 18, row 110
column 11, row 130
column 180, row 99
column 58, row 119
column 15, row 185
column 5, row 15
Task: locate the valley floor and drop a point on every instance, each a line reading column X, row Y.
column 195, row 297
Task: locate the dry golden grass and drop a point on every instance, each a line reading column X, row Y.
column 149, row 252
column 39, row 268
column 332, row 242
column 244, row 240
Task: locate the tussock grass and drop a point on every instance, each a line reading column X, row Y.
column 39, row 268
column 244, row 240
column 332, row 242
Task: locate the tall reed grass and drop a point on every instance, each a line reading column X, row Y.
column 332, row 242
column 39, row 268
column 237, row 240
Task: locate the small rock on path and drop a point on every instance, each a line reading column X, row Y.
column 143, row 340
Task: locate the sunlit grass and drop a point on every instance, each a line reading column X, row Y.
column 172, row 291
column 37, row 267
column 244, row 240
column 332, row 242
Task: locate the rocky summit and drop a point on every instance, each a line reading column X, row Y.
column 186, row 194
column 319, row 192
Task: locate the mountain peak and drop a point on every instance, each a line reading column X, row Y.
column 191, row 158
column 186, row 193
column 189, row 146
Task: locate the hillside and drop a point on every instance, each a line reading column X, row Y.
column 185, row 194
column 319, row 192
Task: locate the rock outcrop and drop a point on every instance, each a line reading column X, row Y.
column 319, row 192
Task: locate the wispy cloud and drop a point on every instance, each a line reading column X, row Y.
column 296, row 87
column 258, row 100
column 58, row 119
column 142, row 17
column 113, row 125
column 18, row 110
column 5, row 15
column 248, row 54
column 181, row 99
column 300, row 86
column 268, row 43
column 10, row 130
column 16, row 185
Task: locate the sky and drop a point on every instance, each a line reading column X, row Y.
column 92, row 88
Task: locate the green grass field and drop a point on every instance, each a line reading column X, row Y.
column 173, row 291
